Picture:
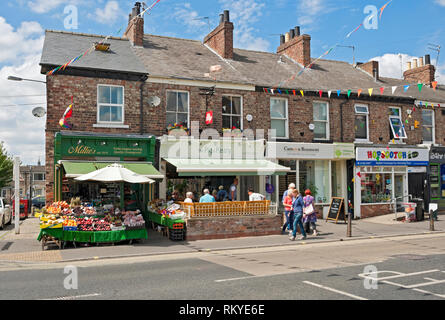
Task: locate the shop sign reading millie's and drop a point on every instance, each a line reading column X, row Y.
column 84, row 150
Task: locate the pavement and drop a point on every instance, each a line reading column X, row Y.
column 24, row 247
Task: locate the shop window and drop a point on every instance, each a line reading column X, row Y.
column 361, row 123
column 177, row 108
column 231, row 112
column 321, row 120
column 110, row 104
column 38, row 177
column 376, row 187
column 290, row 177
column 397, row 129
column 336, row 180
column 314, row 175
column 428, row 126
column 279, row 117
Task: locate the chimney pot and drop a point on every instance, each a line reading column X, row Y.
column 415, row 63
column 297, row 31
column 421, row 62
column 282, row 39
column 427, row 59
column 226, row 16
column 287, row 37
column 221, row 18
column 408, row 66
column 292, row 33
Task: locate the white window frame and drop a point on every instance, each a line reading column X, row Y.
column 361, row 113
column 34, row 174
column 400, row 138
column 328, row 133
column 231, row 114
column 433, row 125
column 111, row 104
column 176, row 112
column 286, row 119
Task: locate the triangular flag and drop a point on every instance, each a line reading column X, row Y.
column 353, row 179
column 434, row 84
column 349, row 93
column 394, row 89
column 329, row 93
column 302, row 93
column 420, row 85
column 338, row 93
column 370, row 91
column 320, row 93
column 393, row 141
column 405, row 88
column 272, row 91
column 359, row 174
column 279, row 91
column 414, row 109
column 359, row 92
column 287, row 92
column 426, row 104
column 406, row 121
column 294, row 92
column 382, row 89
column 265, row 90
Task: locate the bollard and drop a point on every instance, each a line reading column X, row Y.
column 349, row 231
column 431, row 221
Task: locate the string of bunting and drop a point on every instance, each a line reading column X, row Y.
column 92, row 48
column 309, row 66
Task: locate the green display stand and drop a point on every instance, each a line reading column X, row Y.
column 94, row 236
column 163, row 221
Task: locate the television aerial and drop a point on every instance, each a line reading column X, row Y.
column 38, row 112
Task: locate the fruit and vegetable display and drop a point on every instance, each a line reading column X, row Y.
column 80, row 217
column 167, row 209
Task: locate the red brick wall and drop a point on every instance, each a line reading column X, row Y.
column 232, row 227
column 423, row 74
column 373, row 210
column 135, row 32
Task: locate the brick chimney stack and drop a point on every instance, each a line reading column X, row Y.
column 296, row 46
column 370, row 67
column 221, row 38
column 424, row 73
column 135, row 28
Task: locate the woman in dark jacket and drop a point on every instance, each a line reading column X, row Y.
column 297, row 206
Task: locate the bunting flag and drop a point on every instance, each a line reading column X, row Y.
column 382, row 89
column 329, row 93
column 279, row 91
column 370, row 91
column 265, row 90
column 359, row 92
column 338, row 93
column 405, row 88
column 359, row 174
column 320, row 93
column 302, row 93
column 66, row 115
column 394, row 89
column 294, row 92
column 434, row 84
column 349, row 93
column 420, row 85
column 383, row 8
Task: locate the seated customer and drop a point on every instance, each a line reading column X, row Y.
column 189, row 197
column 206, row 197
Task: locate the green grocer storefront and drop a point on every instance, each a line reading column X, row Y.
column 78, row 153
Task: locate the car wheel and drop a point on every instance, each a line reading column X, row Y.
column 2, row 223
column 10, row 220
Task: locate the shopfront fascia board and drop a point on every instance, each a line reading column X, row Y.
column 317, row 151
column 392, row 157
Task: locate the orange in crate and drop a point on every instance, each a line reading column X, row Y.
column 178, row 226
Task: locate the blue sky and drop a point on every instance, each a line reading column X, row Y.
column 406, row 27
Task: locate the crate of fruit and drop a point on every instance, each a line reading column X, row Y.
column 139, row 227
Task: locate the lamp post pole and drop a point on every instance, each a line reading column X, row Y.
column 17, row 194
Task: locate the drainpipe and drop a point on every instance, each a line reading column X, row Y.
column 341, row 120
column 143, row 79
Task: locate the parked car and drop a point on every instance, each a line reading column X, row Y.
column 5, row 213
column 38, row 202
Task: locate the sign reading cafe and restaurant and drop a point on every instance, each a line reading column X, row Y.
column 392, row 157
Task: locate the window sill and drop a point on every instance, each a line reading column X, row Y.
column 363, row 142
column 111, row 125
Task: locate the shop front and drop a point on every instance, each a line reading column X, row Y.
column 221, row 165
column 436, row 174
column 321, row 168
column 381, row 177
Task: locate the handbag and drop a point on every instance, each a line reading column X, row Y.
column 308, row 210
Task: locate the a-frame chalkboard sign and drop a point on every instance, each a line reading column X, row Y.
column 336, row 210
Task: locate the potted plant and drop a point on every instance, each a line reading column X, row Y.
column 177, row 130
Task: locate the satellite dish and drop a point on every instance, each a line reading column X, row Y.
column 38, row 112
column 154, row 101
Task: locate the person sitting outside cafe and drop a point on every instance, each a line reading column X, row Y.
column 222, row 194
column 189, row 197
column 206, row 198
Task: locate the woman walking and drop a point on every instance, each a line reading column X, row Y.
column 297, row 206
column 309, row 214
column 287, row 202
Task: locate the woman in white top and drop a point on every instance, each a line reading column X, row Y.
column 189, row 197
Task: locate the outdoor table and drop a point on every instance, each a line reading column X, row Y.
column 59, row 234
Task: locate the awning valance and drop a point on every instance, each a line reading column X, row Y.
column 74, row 169
column 226, row 167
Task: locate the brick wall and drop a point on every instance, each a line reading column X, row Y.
column 373, row 210
column 298, row 49
column 221, row 40
column 424, row 74
column 232, row 227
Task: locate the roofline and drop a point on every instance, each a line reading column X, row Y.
column 86, row 34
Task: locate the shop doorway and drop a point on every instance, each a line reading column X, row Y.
column 399, row 192
column 245, row 183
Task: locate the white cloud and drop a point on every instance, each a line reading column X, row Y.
column 441, row 2
column 185, row 15
column 44, row 6
column 23, row 134
column 309, row 10
column 389, row 66
column 109, row 14
column 243, row 14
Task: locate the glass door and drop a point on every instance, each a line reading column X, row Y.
column 399, row 191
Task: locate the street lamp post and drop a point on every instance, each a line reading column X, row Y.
column 13, row 78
